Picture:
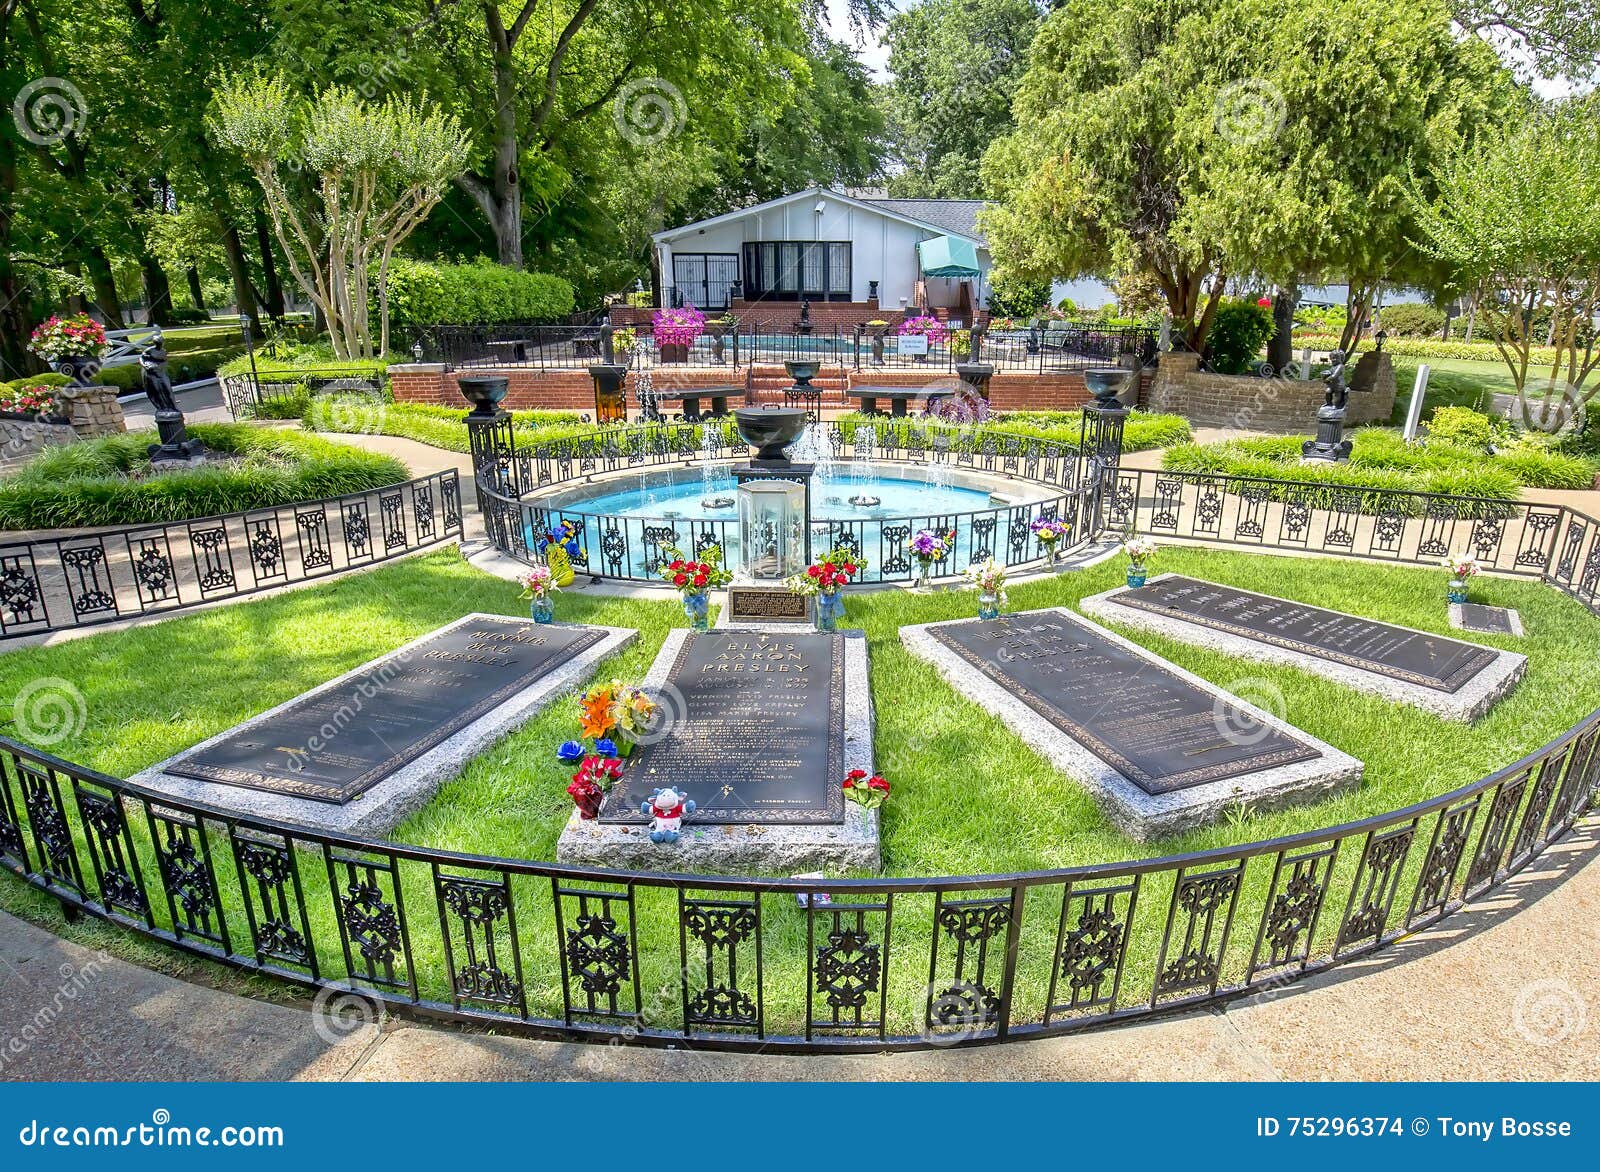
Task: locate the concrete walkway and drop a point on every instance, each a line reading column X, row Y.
column 1505, row 989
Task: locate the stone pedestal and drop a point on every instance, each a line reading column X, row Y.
column 93, row 411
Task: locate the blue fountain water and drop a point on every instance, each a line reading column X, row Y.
column 830, row 499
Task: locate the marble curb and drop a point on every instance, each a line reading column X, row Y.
column 1472, row 700
column 1141, row 816
column 388, row 803
column 1458, row 620
column 742, row 849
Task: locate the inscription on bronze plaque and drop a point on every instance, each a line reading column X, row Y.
column 333, row 745
column 1431, row 661
column 1151, row 725
column 759, row 736
column 756, row 605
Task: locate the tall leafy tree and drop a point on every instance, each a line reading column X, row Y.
column 1201, row 140
column 954, row 66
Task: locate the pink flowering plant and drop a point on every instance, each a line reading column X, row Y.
column 1139, row 551
column 539, row 582
column 32, row 400
column 78, row 336
column 930, row 327
column 1463, row 566
column 678, row 327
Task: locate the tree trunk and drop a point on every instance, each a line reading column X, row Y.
column 243, row 294
column 15, row 358
column 269, row 268
column 1280, row 350
column 1472, row 318
column 499, row 196
column 105, row 287
column 157, row 292
column 197, row 294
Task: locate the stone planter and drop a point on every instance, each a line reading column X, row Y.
column 674, row 352
column 484, row 392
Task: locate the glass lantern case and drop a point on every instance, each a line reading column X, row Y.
column 772, row 529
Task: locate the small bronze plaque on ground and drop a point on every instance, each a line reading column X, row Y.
column 1487, row 620
column 332, row 745
column 758, row 735
column 755, row 604
column 1151, row 725
column 1430, row 661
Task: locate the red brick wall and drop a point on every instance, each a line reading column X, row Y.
column 1008, row 390
column 543, row 390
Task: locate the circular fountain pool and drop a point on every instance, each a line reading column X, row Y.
column 897, row 496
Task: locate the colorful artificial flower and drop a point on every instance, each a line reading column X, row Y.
column 676, row 327
column 831, row 574
column 696, row 576
column 1139, row 550
column 570, row 750
column 930, row 327
column 539, row 582
column 990, row 578
column 1048, row 530
column 1463, row 566
column 870, row 792
column 929, row 547
column 614, row 707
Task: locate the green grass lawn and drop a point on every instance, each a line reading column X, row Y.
column 970, row 796
column 1452, row 382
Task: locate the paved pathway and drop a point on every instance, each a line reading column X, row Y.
column 1503, row 990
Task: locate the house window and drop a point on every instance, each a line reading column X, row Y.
column 818, row 270
column 702, row 279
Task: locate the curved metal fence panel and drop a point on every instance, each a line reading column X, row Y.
column 633, row 547
column 773, row 964
column 102, row 576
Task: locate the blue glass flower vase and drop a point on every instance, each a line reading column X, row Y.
column 830, row 609
column 1457, row 591
column 988, row 605
column 698, row 608
column 542, row 610
column 1136, row 576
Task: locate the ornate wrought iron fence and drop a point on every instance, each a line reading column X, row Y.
column 715, row 962
column 633, row 548
column 1552, row 542
column 84, row 579
column 248, row 390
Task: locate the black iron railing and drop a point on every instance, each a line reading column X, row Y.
column 1556, row 544
column 634, row 547
column 244, row 393
column 860, row 349
column 743, row 963
column 84, row 579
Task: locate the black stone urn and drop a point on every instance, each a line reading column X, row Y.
column 771, row 430
column 80, row 368
column 802, row 371
column 1106, row 383
column 484, row 392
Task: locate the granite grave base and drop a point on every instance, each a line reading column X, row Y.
column 732, row 848
column 389, row 801
column 1292, row 767
column 1480, row 685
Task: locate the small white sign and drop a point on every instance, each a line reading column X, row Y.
column 913, row 343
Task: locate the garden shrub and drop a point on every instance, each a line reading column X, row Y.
column 480, row 293
column 1461, row 425
column 1022, row 299
column 1238, row 331
column 1143, row 429
column 107, row 481
column 1411, row 319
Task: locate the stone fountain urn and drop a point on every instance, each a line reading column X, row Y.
column 770, row 430
column 484, row 392
column 802, row 371
column 1109, row 385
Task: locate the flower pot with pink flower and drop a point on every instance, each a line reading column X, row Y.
column 71, row 345
column 675, row 331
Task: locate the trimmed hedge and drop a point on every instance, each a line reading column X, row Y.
column 439, row 427
column 1144, row 430
column 1426, row 348
column 1380, row 458
column 107, row 481
column 480, row 293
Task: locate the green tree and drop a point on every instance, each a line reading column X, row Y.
column 1199, row 141
column 379, row 168
column 954, row 66
column 1516, row 218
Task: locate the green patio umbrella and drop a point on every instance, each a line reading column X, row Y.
column 948, row 256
